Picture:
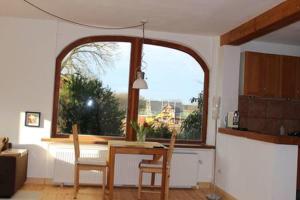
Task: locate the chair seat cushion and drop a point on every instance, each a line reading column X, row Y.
column 91, row 161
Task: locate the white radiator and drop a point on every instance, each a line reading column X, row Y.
column 184, row 168
column 64, row 166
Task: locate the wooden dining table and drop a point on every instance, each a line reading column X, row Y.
column 141, row 148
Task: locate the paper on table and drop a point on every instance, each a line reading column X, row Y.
column 122, row 143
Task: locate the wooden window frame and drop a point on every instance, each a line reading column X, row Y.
column 133, row 94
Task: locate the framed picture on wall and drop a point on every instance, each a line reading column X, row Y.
column 32, row 119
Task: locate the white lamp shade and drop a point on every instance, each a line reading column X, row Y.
column 140, row 83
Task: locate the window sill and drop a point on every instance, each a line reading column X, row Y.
column 84, row 139
column 98, row 140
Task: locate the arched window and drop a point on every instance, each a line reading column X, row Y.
column 93, row 87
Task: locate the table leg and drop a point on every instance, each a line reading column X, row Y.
column 155, row 158
column 111, row 172
column 163, row 177
column 152, row 179
column 107, row 181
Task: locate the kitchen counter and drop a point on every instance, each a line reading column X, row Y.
column 264, row 164
column 276, row 139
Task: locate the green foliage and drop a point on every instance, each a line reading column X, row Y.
column 191, row 127
column 102, row 117
column 159, row 131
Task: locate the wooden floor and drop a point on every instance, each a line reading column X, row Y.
column 49, row 192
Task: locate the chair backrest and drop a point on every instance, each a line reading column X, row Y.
column 171, row 146
column 76, row 141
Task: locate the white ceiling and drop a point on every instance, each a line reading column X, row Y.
column 211, row 17
column 286, row 35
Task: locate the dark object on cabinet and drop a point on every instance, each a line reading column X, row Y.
column 13, row 171
column 294, row 133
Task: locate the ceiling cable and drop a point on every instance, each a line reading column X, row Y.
column 81, row 24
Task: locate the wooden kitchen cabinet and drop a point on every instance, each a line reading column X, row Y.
column 289, row 76
column 253, row 79
column 262, row 74
column 272, row 79
column 269, row 75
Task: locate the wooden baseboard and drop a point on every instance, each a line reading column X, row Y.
column 221, row 192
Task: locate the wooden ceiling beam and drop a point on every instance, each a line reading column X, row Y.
column 281, row 15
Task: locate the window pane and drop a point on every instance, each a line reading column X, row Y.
column 174, row 98
column 94, row 89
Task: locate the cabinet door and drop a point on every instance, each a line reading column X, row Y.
column 271, row 76
column 298, row 79
column 289, row 76
column 253, row 74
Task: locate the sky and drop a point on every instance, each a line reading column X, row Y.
column 171, row 74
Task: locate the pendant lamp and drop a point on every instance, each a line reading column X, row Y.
column 140, row 82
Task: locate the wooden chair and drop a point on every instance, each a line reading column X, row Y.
column 155, row 167
column 86, row 163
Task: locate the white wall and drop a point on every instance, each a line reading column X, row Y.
column 272, row 48
column 230, row 66
column 26, row 83
column 249, row 169
column 28, row 51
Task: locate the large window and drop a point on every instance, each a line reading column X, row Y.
column 93, row 87
column 174, row 99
